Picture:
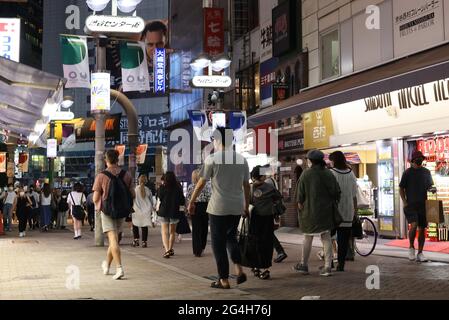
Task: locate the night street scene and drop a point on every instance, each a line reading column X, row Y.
column 224, row 159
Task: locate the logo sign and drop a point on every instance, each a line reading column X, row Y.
column 75, row 60
column 120, row 148
column 214, row 31
column 159, row 70
column 211, row 82
column 100, row 92
column 135, row 75
column 114, row 25
column 10, row 39
column 52, row 148
column 62, row 116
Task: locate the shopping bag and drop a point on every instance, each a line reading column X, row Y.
column 434, row 211
column 248, row 245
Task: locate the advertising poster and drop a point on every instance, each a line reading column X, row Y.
column 10, row 39
column 135, row 73
column 155, row 35
column 75, row 60
column 2, row 162
column 24, row 158
column 10, row 170
column 120, row 148
column 100, row 92
column 141, row 153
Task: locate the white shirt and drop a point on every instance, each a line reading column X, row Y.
column 46, row 201
column 76, row 198
column 10, row 196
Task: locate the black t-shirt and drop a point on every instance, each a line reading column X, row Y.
column 416, row 183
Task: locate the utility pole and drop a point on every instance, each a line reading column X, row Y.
column 51, row 161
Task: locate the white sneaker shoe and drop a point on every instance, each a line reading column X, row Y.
column 20, row 234
column 105, row 267
column 119, row 274
column 411, row 254
column 420, row 258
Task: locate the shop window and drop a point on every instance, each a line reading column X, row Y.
column 330, row 54
column 248, row 89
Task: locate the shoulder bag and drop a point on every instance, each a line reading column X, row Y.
column 77, row 210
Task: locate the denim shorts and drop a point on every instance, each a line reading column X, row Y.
column 165, row 220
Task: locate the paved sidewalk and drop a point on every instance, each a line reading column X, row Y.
column 35, row 268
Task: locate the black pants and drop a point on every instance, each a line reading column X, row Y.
column 36, row 217
column 263, row 228
column 23, row 217
column 277, row 245
column 91, row 217
column 200, row 228
column 144, row 233
column 343, row 237
column 223, row 231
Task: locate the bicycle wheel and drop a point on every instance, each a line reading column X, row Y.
column 365, row 245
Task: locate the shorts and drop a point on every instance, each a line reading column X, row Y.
column 165, row 220
column 110, row 224
column 416, row 213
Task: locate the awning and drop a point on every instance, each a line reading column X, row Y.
column 24, row 91
column 417, row 69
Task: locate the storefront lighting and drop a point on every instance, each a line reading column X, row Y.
column 440, row 132
column 345, row 145
column 97, row 5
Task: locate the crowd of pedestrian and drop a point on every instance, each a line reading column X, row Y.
column 223, row 195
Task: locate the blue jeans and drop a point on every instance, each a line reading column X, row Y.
column 223, row 230
column 7, row 216
column 45, row 216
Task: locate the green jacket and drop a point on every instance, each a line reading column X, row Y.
column 318, row 191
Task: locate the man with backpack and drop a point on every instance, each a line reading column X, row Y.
column 113, row 198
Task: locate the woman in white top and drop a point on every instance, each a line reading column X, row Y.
column 347, row 205
column 77, row 201
column 46, row 198
column 143, row 208
column 8, row 200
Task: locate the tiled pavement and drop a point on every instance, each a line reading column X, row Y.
column 35, row 268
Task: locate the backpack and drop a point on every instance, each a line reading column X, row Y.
column 33, row 201
column 119, row 201
column 63, row 205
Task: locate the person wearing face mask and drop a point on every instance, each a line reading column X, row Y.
column 21, row 207
column 8, row 198
column 415, row 183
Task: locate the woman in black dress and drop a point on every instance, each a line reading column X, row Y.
column 22, row 209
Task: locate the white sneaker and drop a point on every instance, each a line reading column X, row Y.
column 119, row 274
column 20, row 234
column 420, row 258
column 24, row 234
column 411, row 254
column 105, row 267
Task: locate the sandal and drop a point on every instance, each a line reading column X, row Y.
column 265, row 275
column 171, row 252
column 241, row 278
column 166, row 255
column 256, row 272
column 135, row 243
column 144, row 244
column 219, row 285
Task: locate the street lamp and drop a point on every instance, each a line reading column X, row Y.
column 67, row 102
column 123, row 5
column 128, row 5
column 216, row 64
column 97, row 5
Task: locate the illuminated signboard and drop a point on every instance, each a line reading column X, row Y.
column 10, row 39
column 159, row 70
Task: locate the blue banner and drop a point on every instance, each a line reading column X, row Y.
column 159, row 70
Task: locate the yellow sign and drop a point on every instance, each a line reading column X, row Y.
column 318, row 127
column 58, row 127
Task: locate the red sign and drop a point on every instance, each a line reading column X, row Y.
column 434, row 149
column 214, row 31
column 263, row 138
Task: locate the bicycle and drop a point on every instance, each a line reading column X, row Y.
column 366, row 244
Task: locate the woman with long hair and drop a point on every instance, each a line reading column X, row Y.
column 46, row 212
column 22, row 208
column 143, row 207
column 171, row 198
column 77, row 201
column 347, row 205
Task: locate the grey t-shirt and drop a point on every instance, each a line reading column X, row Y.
column 227, row 171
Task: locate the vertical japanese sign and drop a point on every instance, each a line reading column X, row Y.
column 318, row 127
column 2, row 162
column 10, row 39
column 75, row 60
column 52, row 148
column 135, row 75
column 120, row 148
column 159, row 70
column 213, row 31
column 186, row 70
column 100, row 92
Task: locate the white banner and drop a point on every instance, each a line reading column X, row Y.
column 75, row 59
column 52, row 148
column 100, row 92
column 135, row 75
column 10, row 39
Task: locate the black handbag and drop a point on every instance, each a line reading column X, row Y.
column 357, row 230
column 183, row 226
column 248, row 245
column 77, row 210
